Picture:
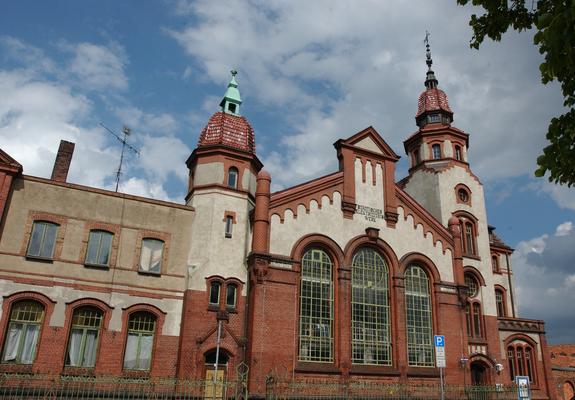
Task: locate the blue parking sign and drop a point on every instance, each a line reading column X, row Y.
column 439, row 340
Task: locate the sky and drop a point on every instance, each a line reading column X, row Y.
column 309, row 74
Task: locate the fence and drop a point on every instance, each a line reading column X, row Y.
column 30, row 386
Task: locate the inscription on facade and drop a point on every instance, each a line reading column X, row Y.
column 370, row 213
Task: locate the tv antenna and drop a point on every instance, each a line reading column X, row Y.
column 124, row 140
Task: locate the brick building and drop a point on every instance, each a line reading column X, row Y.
column 563, row 367
column 343, row 278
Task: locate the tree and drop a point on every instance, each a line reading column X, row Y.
column 554, row 21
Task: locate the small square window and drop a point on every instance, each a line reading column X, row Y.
column 151, row 256
column 42, row 240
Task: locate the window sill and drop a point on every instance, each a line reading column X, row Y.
column 97, row 266
column 78, row 371
column 472, row 256
column 232, row 310
column 11, row 367
column 149, row 273
column 47, row 260
column 213, row 307
column 373, row 370
column 317, row 367
column 423, row 372
column 136, row 373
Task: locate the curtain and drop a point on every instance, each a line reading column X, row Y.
column 90, row 349
column 131, row 350
column 146, row 344
column 12, row 342
column 74, row 357
column 30, row 340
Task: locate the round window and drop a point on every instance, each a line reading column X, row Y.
column 463, row 195
column 471, row 284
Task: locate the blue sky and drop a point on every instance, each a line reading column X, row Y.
column 309, row 73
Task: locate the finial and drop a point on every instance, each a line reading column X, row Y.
column 234, row 72
column 231, row 102
column 428, row 60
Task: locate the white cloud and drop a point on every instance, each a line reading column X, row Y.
column 145, row 188
column 564, row 229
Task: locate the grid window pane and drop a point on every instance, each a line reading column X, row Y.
column 471, row 283
column 419, row 322
column 42, row 239
column 23, row 332
column 370, row 316
column 316, row 308
column 99, row 246
column 84, row 336
column 139, row 344
column 151, row 256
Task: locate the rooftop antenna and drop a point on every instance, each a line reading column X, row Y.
column 126, row 131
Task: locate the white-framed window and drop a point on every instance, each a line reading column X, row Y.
column 215, row 288
column 229, row 226
column 231, row 295
column 233, row 177
column 436, row 151
column 99, row 248
column 418, row 314
column 151, row 255
column 316, row 307
column 23, row 332
column 42, row 239
column 140, row 341
column 84, row 337
column 370, row 309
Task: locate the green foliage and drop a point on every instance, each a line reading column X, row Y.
column 554, row 21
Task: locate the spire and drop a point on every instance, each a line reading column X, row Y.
column 430, row 82
column 230, row 104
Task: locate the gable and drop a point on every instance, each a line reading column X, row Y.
column 8, row 164
column 368, row 139
column 368, row 144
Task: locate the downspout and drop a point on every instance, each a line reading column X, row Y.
column 510, row 285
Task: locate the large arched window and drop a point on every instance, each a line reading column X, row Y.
column 140, row 341
column 23, row 332
column 370, row 315
column 418, row 313
column 316, row 307
column 84, row 336
column 521, row 359
column 473, row 310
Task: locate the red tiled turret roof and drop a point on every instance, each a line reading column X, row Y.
column 228, row 130
column 432, row 99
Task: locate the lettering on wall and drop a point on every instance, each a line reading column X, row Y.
column 370, row 213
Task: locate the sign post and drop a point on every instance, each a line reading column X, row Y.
column 439, row 342
column 522, row 383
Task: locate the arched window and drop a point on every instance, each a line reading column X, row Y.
column 500, row 303
column 419, row 323
column 473, row 312
column 231, row 295
column 140, row 341
column 215, row 293
column 42, row 240
column 99, row 248
column 316, row 307
column 468, row 237
column 436, row 151
column 233, row 177
column 521, row 359
column 84, row 337
column 370, row 311
column 23, row 332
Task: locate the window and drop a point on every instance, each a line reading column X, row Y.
column 468, row 238
column 495, row 263
column 140, row 341
column 521, row 359
column 42, row 240
column 436, row 151
column 316, row 307
column 463, row 195
column 23, row 331
column 231, row 295
column 433, row 118
column 419, row 324
column 472, row 286
column 215, row 293
column 84, row 336
column 370, row 310
column 229, row 226
column 231, row 108
column 474, row 319
column 151, row 256
column 416, row 158
column 458, row 153
column 500, row 302
column 233, row 177
column 99, row 248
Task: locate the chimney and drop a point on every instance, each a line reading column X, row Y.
column 62, row 163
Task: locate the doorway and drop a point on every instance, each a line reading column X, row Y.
column 215, row 378
column 478, row 374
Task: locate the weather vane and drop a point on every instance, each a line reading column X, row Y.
column 428, row 60
column 126, row 131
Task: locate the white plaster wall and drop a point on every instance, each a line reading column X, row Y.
column 422, row 186
column 249, row 181
column 63, row 295
column 209, row 173
column 368, row 194
column 211, row 253
column 329, row 221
